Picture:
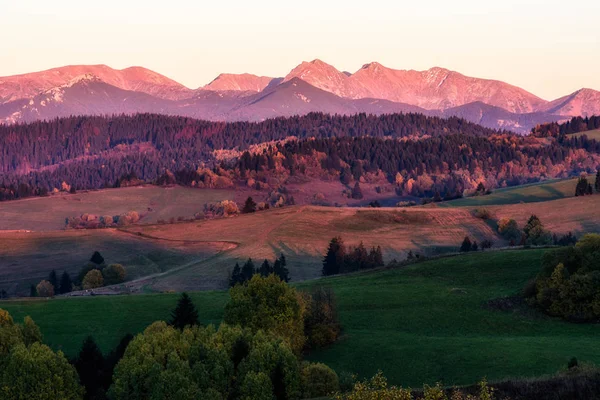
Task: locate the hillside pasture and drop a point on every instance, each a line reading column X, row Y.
column 28, row 257
column 577, row 215
column 303, row 233
column 593, row 134
column 153, row 203
column 530, row 193
column 422, row 323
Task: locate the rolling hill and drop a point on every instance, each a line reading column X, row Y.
column 435, row 315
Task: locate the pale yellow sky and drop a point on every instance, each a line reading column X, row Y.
column 550, row 47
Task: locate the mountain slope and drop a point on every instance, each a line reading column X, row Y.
column 133, row 78
column 240, row 82
column 439, row 88
column 83, row 95
column 584, row 103
column 498, row 118
column 297, row 97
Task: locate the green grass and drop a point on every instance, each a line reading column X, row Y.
column 530, row 193
column 595, row 134
column 419, row 324
column 65, row 322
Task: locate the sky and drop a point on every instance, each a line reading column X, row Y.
column 548, row 47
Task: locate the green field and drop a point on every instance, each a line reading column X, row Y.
column 423, row 323
column 531, row 193
column 595, row 134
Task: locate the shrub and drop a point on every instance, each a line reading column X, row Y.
column 483, row 213
column 268, row 304
column 509, row 230
column 93, row 280
column 568, row 284
column 321, row 324
column 113, row 274
column 318, row 380
column 45, row 289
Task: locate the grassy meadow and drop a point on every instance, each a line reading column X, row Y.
column 530, row 193
column 152, row 202
column 594, row 134
column 302, row 233
column 427, row 322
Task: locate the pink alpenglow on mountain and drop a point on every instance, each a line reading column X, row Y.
column 313, row 86
column 240, row 82
column 134, row 78
column 584, row 102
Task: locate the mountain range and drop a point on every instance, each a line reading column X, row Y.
column 311, row 86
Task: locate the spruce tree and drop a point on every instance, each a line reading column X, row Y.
column 379, row 257
column 597, row 184
column 265, row 269
column 248, row 270
column 357, row 192
column 97, row 258
column 91, row 367
column 236, row 275
column 466, row 245
column 32, row 291
column 53, row 279
column 582, row 187
column 249, row 206
column 185, row 314
column 280, row 269
column 66, row 285
column 334, row 259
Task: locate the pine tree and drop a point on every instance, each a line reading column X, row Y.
column 66, row 285
column 379, row 257
column 280, row 269
column 360, row 256
column 583, row 187
column 97, row 258
column 53, row 279
column 91, row 367
column 248, row 270
column 265, row 269
column 185, row 314
column 357, row 192
column 249, row 206
column 597, row 184
column 480, row 188
column 466, row 245
column 474, row 246
column 334, row 259
column 236, row 275
column 33, row 291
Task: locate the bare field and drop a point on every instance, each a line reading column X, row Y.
column 577, row 214
column 199, row 255
column 302, row 233
column 153, row 202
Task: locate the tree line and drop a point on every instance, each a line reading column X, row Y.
column 340, row 259
column 433, row 156
column 242, row 275
column 574, row 125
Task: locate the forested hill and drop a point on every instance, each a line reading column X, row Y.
column 574, row 125
column 407, row 153
column 30, row 146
